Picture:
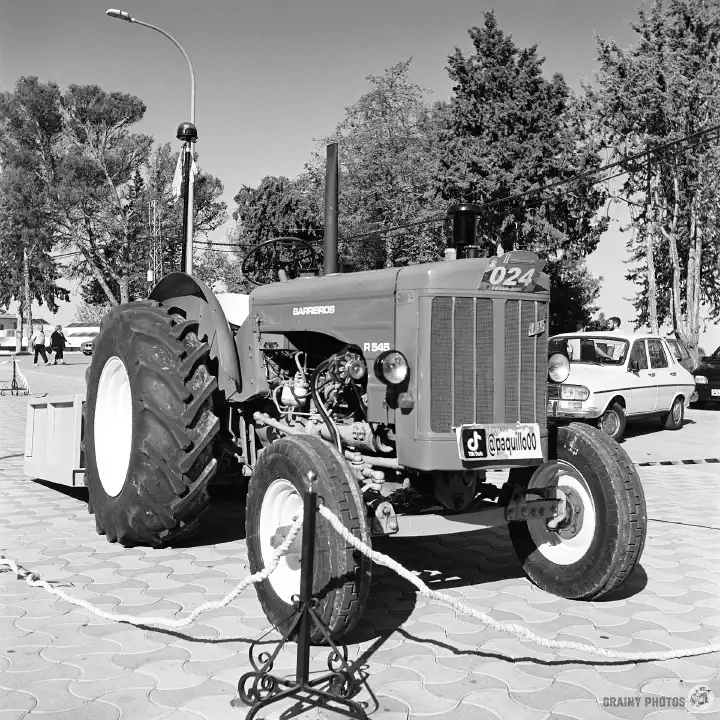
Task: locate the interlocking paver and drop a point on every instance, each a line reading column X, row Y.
column 94, row 689
column 185, row 696
column 53, row 695
column 17, row 700
column 415, row 695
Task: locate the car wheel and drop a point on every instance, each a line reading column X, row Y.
column 598, row 541
column 613, row 421
column 674, row 419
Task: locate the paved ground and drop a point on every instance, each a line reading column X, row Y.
column 420, row 659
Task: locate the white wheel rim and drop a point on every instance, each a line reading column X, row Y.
column 281, row 504
column 557, row 549
column 113, row 426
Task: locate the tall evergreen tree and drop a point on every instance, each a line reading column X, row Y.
column 510, row 132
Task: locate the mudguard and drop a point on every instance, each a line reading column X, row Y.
column 198, row 301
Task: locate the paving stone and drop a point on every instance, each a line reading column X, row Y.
column 53, row 695
column 582, row 710
column 546, row 698
column 131, row 661
column 416, row 697
column 17, row 700
column 63, row 653
column 500, row 703
column 58, row 671
column 12, row 714
column 132, row 703
column 26, row 658
column 186, row 697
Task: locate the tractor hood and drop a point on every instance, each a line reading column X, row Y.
column 359, row 308
column 346, row 306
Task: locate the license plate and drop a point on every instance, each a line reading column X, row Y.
column 715, row 392
column 499, row 442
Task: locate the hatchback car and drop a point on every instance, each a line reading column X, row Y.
column 609, row 378
column 707, row 378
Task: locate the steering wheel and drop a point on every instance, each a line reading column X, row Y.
column 285, row 257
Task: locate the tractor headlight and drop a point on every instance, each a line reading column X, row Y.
column 391, row 367
column 558, row 367
column 574, row 392
column 701, row 380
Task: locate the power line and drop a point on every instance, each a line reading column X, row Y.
column 557, row 183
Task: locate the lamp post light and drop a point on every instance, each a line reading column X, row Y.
column 187, row 133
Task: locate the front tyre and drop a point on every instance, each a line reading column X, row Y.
column 594, row 547
column 149, row 426
column 613, row 421
column 341, row 581
column 674, row 419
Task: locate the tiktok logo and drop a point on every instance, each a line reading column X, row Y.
column 475, row 443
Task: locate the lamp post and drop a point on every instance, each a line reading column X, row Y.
column 188, row 135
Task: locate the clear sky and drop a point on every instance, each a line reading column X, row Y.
column 274, row 75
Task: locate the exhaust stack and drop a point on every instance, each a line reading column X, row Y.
column 330, row 246
column 463, row 243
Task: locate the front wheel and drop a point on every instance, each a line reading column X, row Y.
column 594, row 546
column 341, row 581
column 612, row 422
column 674, row 419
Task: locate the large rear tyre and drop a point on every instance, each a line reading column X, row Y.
column 596, row 545
column 341, row 581
column 149, row 426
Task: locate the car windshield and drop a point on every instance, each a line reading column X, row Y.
column 716, row 354
column 596, row 350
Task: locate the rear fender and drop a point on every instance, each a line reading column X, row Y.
column 199, row 303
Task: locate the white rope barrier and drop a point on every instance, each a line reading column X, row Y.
column 520, row 631
column 513, row 628
column 34, row 580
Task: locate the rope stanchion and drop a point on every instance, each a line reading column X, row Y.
column 18, row 382
column 519, row 630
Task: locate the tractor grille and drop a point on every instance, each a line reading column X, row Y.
column 467, row 369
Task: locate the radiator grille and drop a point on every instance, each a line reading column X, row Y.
column 462, row 362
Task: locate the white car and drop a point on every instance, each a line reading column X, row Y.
column 609, row 378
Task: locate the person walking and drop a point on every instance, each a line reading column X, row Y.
column 38, row 342
column 58, row 343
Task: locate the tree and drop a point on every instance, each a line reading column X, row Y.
column 664, row 89
column 388, row 163
column 509, row 132
column 277, row 207
column 32, row 126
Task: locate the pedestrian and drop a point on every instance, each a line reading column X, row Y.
column 38, row 342
column 58, row 343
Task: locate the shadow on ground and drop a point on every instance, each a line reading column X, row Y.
column 641, row 428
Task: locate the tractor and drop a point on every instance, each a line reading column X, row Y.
column 400, row 388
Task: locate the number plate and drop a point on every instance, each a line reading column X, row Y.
column 715, row 393
column 499, row 442
column 514, row 271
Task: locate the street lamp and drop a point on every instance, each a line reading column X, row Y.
column 189, row 136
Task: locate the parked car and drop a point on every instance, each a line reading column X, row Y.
column 610, row 378
column 707, row 378
column 681, row 353
column 87, row 347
